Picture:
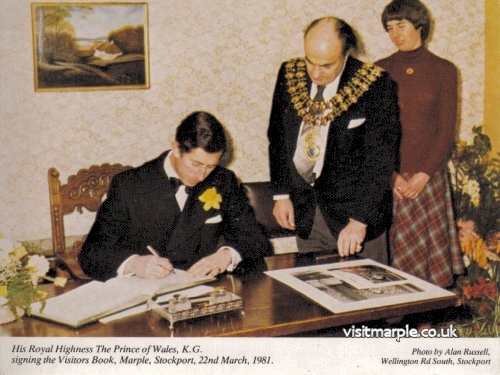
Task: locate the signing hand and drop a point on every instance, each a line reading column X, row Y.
column 351, row 237
column 149, row 266
column 213, row 264
column 283, row 213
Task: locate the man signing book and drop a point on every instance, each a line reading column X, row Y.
column 179, row 210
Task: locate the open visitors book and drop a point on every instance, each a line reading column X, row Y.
column 98, row 299
column 357, row 285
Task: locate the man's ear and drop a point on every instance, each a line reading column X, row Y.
column 176, row 150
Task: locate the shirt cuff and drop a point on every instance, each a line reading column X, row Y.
column 121, row 269
column 235, row 258
column 278, row 197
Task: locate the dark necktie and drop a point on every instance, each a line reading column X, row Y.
column 319, row 94
column 308, row 146
column 177, row 183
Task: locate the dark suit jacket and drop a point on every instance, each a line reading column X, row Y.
column 355, row 180
column 141, row 210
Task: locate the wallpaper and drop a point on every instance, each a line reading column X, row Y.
column 221, row 56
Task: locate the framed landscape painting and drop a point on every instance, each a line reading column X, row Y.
column 90, row 46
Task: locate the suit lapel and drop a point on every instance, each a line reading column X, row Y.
column 294, row 122
column 351, row 67
column 191, row 218
column 340, row 123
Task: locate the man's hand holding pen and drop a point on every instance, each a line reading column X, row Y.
column 155, row 267
column 149, row 266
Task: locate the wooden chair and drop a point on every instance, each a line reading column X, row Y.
column 83, row 190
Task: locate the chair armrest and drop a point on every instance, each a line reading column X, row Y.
column 69, row 261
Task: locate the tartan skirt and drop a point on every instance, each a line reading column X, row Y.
column 423, row 237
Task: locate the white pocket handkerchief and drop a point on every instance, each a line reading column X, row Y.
column 355, row 123
column 214, row 220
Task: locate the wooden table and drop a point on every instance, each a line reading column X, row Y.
column 271, row 309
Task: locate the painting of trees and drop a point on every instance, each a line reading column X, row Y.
column 71, row 45
column 56, row 36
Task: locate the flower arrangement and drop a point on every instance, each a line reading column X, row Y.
column 475, row 177
column 211, row 199
column 20, row 274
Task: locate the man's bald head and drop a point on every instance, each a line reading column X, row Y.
column 335, row 26
column 327, row 41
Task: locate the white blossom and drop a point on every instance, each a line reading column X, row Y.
column 40, row 266
column 466, row 261
column 471, row 188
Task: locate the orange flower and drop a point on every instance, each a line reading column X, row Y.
column 485, row 308
column 476, row 249
column 490, row 289
column 480, row 255
column 493, row 241
column 467, row 245
column 467, row 292
column 481, row 288
column 492, row 255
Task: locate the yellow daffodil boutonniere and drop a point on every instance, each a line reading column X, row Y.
column 211, row 199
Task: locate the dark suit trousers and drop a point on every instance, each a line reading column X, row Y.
column 321, row 238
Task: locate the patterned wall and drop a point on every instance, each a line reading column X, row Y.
column 217, row 55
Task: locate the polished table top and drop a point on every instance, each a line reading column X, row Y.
column 270, row 309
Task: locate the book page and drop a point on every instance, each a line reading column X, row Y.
column 174, row 281
column 96, row 299
column 87, row 302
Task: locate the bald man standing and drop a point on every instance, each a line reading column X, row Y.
column 333, row 144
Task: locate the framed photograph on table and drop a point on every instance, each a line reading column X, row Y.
column 90, row 46
column 357, row 285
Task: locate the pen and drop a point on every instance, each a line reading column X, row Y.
column 155, row 253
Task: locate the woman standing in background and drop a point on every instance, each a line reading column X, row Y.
column 423, row 236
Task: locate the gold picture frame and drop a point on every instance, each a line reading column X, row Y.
column 90, row 46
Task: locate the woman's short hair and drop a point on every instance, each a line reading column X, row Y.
column 201, row 130
column 411, row 10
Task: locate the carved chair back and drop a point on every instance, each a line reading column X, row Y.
column 83, row 190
